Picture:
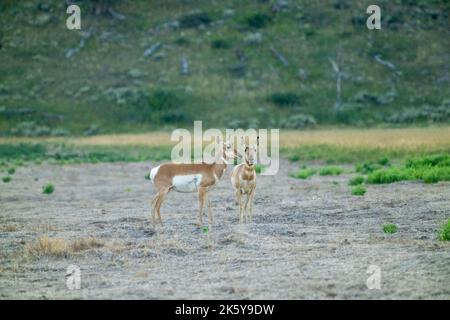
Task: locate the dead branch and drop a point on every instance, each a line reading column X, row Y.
column 387, row 64
column 184, row 66
column 338, row 73
column 279, row 56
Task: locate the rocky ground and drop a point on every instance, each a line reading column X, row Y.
column 310, row 239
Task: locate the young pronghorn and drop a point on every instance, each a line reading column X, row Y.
column 189, row 178
column 243, row 179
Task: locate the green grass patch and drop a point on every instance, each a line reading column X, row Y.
column 358, row 190
column 11, row 170
column 356, row 181
column 66, row 154
column 367, row 167
column 444, row 232
column 303, row 173
column 48, row 188
column 389, row 228
column 258, row 168
column 330, row 171
column 429, row 169
column 6, row 179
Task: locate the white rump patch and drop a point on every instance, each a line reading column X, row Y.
column 186, row 183
column 153, row 173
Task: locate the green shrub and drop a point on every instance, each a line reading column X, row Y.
column 48, row 188
column 6, row 179
column 303, row 173
column 162, row 99
column 358, row 190
column 147, row 176
column 258, row 20
column 294, row 158
column 220, row 44
column 383, row 161
column 444, row 232
column 388, row 176
column 194, row 20
column 367, row 167
column 11, row 170
column 258, row 168
column 426, row 174
column 298, row 121
column 356, row 181
column 389, row 228
column 439, row 160
column 330, row 171
column 433, row 175
column 284, row 99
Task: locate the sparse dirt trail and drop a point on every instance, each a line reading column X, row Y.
column 310, row 238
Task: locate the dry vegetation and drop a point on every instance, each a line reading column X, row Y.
column 9, row 228
column 406, row 139
column 403, row 138
column 58, row 247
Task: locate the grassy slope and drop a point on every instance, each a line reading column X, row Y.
column 35, row 74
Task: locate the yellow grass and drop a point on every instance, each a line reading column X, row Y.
column 45, row 246
column 404, row 139
column 9, row 228
column 140, row 139
column 407, row 138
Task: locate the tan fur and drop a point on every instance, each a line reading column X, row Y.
column 243, row 180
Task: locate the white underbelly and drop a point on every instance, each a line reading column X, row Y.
column 186, row 183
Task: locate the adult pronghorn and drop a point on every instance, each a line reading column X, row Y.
column 190, row 178
column 243, row 179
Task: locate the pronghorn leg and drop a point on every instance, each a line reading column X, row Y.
column 155, row 198
column 239, row 200
column 246, row 208
column 252, row 194
column 210, row 215
column 202, row 195
column 161, row 195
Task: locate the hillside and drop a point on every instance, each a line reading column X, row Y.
column 144, row 65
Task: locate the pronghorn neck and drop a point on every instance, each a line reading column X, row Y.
column 219, row 169
column 248, row 166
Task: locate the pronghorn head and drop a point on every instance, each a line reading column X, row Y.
column 250, row 152
column 227, row 152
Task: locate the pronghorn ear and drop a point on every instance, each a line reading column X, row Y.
column 218, row 139
column 257, row 140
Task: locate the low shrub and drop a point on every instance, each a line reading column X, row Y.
column 330, row 171
column 298, row 121
column 303, row 173
column 48, row 188
column 284, row 99
column 220, row 44
column 258, row 20
column 389, row 228
column 356, row 181
column 358, row 190
column 444, row 232
column 194, row 20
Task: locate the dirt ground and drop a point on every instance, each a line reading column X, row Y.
column 310, row 239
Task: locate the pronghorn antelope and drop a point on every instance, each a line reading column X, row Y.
column 243, row 179
column 190, row 178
